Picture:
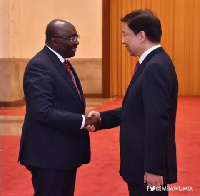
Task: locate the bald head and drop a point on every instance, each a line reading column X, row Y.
column 60, row 37
column 57, row 27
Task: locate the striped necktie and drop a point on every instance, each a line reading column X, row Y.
column 72, row 76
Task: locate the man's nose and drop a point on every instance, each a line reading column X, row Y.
column 123, row 41
column 76, row 42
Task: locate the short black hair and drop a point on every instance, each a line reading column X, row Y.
column 144, row 20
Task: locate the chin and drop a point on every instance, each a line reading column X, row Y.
column 71, row 55
column 131, row 54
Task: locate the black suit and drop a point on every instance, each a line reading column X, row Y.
column 51, row 135
column 147, row 121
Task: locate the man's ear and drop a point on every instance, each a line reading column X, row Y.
column 54, row 41
column 142, row 36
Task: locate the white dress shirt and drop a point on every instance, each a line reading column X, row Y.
column 144, row 55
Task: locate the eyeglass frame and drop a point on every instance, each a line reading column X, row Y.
column 72, row 38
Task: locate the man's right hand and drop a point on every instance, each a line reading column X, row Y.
column 92, row 121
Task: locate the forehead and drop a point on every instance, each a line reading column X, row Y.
column 66, row 29
column 125, row 28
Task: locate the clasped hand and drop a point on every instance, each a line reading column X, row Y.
column 92, row 121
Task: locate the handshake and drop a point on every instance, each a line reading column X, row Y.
column 92, row 121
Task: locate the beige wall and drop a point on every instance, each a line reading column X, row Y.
column 22, row 35
column 4, row 29
column 23, row 24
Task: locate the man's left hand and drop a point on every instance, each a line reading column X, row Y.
column 153, row 180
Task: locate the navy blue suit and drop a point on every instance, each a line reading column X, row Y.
column 147, row 121
column 51, row 134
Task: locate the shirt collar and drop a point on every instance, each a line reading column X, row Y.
column 144, row 55
column 57, row 54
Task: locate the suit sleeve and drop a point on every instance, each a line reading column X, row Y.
column 156, row 96
column 39, row 94
column 110, row 118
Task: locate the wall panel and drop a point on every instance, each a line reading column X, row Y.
column 22, row 35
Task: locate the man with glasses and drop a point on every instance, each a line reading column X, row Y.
column 54, row 142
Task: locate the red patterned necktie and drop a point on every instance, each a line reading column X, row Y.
column 136, row 66
column 72, row 76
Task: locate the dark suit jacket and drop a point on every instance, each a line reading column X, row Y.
column 51, row 134
column 147, row 121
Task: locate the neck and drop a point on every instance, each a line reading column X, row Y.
column 146, row 46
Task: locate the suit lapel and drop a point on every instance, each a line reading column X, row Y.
column 65, row 74
column 141, row 68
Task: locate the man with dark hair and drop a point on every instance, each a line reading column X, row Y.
column 54, row 142
column 148, row 112
column 144, row 20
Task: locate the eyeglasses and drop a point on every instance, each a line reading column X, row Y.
column 73, row 38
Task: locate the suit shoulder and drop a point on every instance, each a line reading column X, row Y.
column 162, row 59
column 40, row 59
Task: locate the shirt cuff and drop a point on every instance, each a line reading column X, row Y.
column 83, row 122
